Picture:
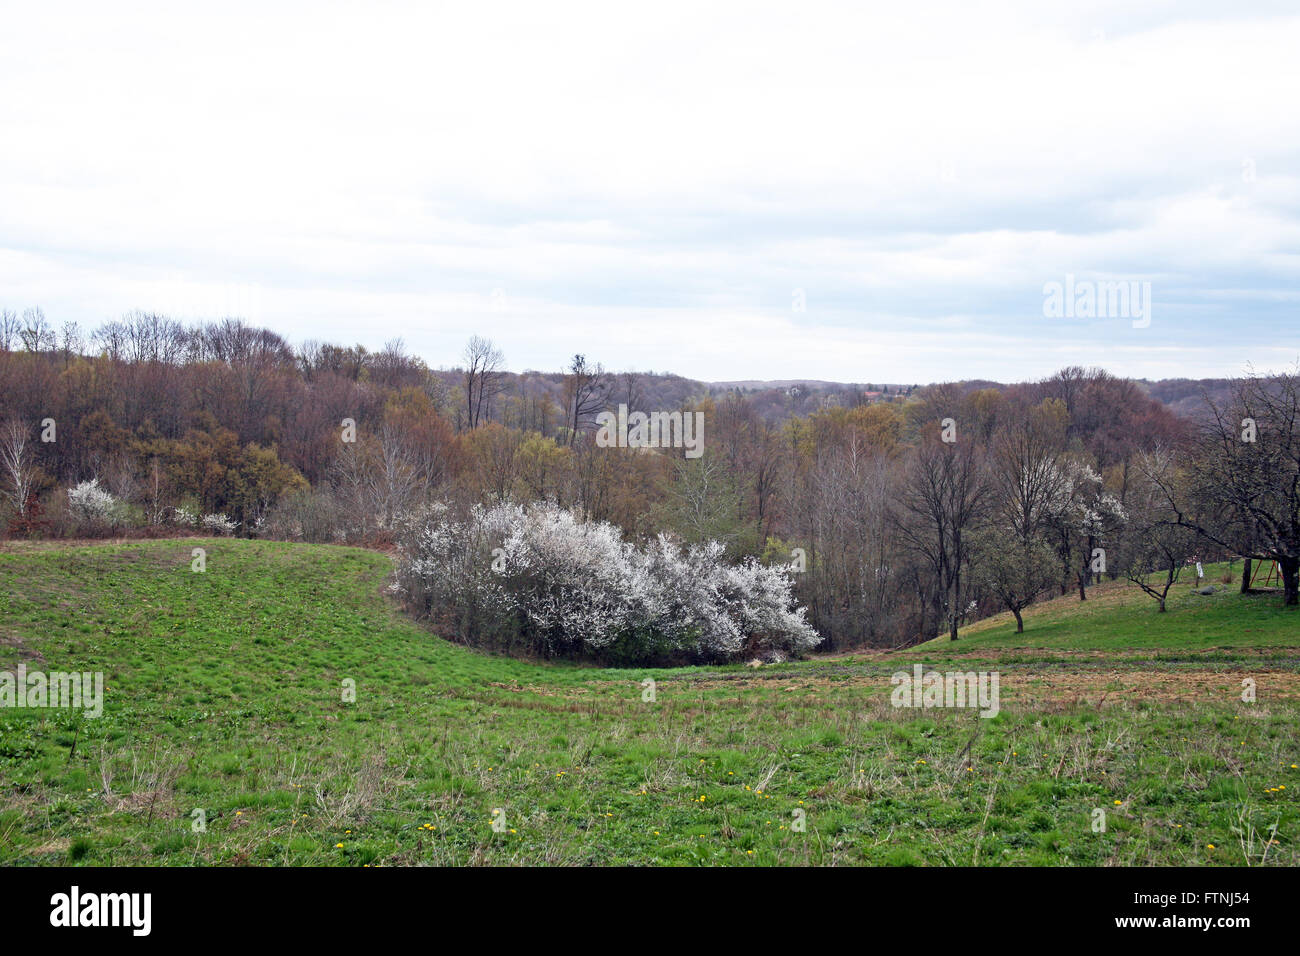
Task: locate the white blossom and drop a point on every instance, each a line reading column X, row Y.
column 89, row 502
column 220, row 523
column 576, row 587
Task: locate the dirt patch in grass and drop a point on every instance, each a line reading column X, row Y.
column 25, row 653
column 1203, row 686
column 1100, row 687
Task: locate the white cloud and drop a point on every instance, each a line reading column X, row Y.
column 651, row 185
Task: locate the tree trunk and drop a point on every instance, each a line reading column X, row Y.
column 1162, row 605
column 1020, row 623
column 1245, row 577
column 1290, row 579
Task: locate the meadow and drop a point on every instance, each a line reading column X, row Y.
column 227, row 737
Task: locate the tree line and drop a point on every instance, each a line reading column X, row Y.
column 902, row 514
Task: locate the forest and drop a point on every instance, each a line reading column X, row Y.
column 892, row 513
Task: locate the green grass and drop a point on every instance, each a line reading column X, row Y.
column 225, row 696
column 1118, row 616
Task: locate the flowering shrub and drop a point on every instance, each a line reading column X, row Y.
column 219, row 524
column 89, row 503
column 185, row 516
column 539, row 579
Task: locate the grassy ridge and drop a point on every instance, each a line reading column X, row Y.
column 1118, row 616
column 225, row 695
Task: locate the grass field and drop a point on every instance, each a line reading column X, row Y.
column 225, row 695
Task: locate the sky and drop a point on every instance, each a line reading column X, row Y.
column 858, row 192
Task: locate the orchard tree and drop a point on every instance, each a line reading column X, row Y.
column 1244, row 475
column 1026, row 485
column 1155, row 546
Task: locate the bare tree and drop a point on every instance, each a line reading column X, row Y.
column 37, row 334
column 1026, row 484
column 842, row 507
column 484, row 378
column 586, row 389
column 1155, row 546
column 941, row 501
column 379, row 479
column 17, row 464
column 9, row 329
column 1244, row 470
column 630, row 391
column 71, row 341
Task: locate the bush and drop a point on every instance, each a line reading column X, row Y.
column 89, row 504
column 307, row 515
column 219, row 524
column 540, row 579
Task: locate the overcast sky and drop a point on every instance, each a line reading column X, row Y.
column 857, row 192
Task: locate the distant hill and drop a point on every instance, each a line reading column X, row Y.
column 778, row 399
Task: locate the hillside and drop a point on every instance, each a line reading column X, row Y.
column 223, row 694
column 1118, row 617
